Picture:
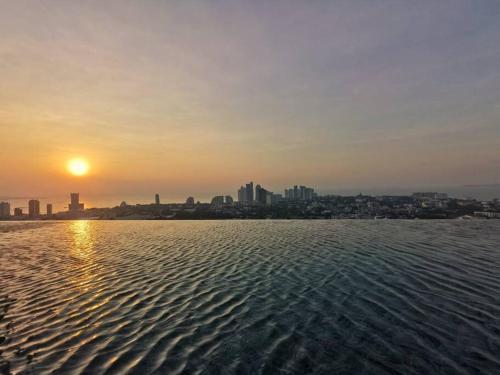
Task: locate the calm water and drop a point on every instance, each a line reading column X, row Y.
column 250, row 297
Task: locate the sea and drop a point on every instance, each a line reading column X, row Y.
column 250, row 297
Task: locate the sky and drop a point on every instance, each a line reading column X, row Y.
column 199, row 97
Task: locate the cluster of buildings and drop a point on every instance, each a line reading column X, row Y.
column 33, row 210
column 430, row 196
column 302, row 193
column 299, row 202
column 427, row 205
column 247, row 195
column 75, row 209
column 220, row 200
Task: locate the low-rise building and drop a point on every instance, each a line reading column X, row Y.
column 488, row 214
column 217, row 200
column 190, row 202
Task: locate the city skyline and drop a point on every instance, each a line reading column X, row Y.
column 34, row 204
column 298, row 202
column 60, row 202
column 338, row 94
column 248, row 194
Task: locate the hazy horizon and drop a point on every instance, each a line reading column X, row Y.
column 189, row 97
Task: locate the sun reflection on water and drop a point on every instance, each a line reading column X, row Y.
column 83, row 240
column 83, row 249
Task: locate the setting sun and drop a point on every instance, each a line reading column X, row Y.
column 78, row 167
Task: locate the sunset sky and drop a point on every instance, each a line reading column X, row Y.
column 192, row 97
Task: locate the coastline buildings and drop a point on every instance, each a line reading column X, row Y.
column 276, row 198
column 34, row 208
column 221, row 200
column 300, row 202
column 4, row 210
column 302, row 193
column 190, row 202
column 249, row 192
column 241, row 194
column 75, row 205
column 157, row 199
column 487, row 214
column 430, row 195
column 263, row 196
column 260, row 194
column 272, row 206
column 217, row 200
column 245, row 193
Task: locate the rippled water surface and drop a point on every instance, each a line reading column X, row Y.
column 250, row 297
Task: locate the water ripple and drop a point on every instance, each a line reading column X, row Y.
column 250, row 297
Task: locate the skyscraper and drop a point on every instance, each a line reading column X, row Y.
column 262, row 195
column 75, row 204
column 309, row 194
column 303, row 193
column 157, row 198
column 249, row 192
column 269, row 198
column 241, row 194
column 49, row 209
column 245, row 193
column 228, row 199
column 4, row 210
column 34, row 208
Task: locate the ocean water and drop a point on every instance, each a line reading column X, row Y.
column 250, row 297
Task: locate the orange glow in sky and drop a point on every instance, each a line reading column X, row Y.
column 165, row 97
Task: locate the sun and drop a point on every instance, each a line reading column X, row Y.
column 78, row 167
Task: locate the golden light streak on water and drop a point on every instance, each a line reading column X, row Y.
column 82, row 248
